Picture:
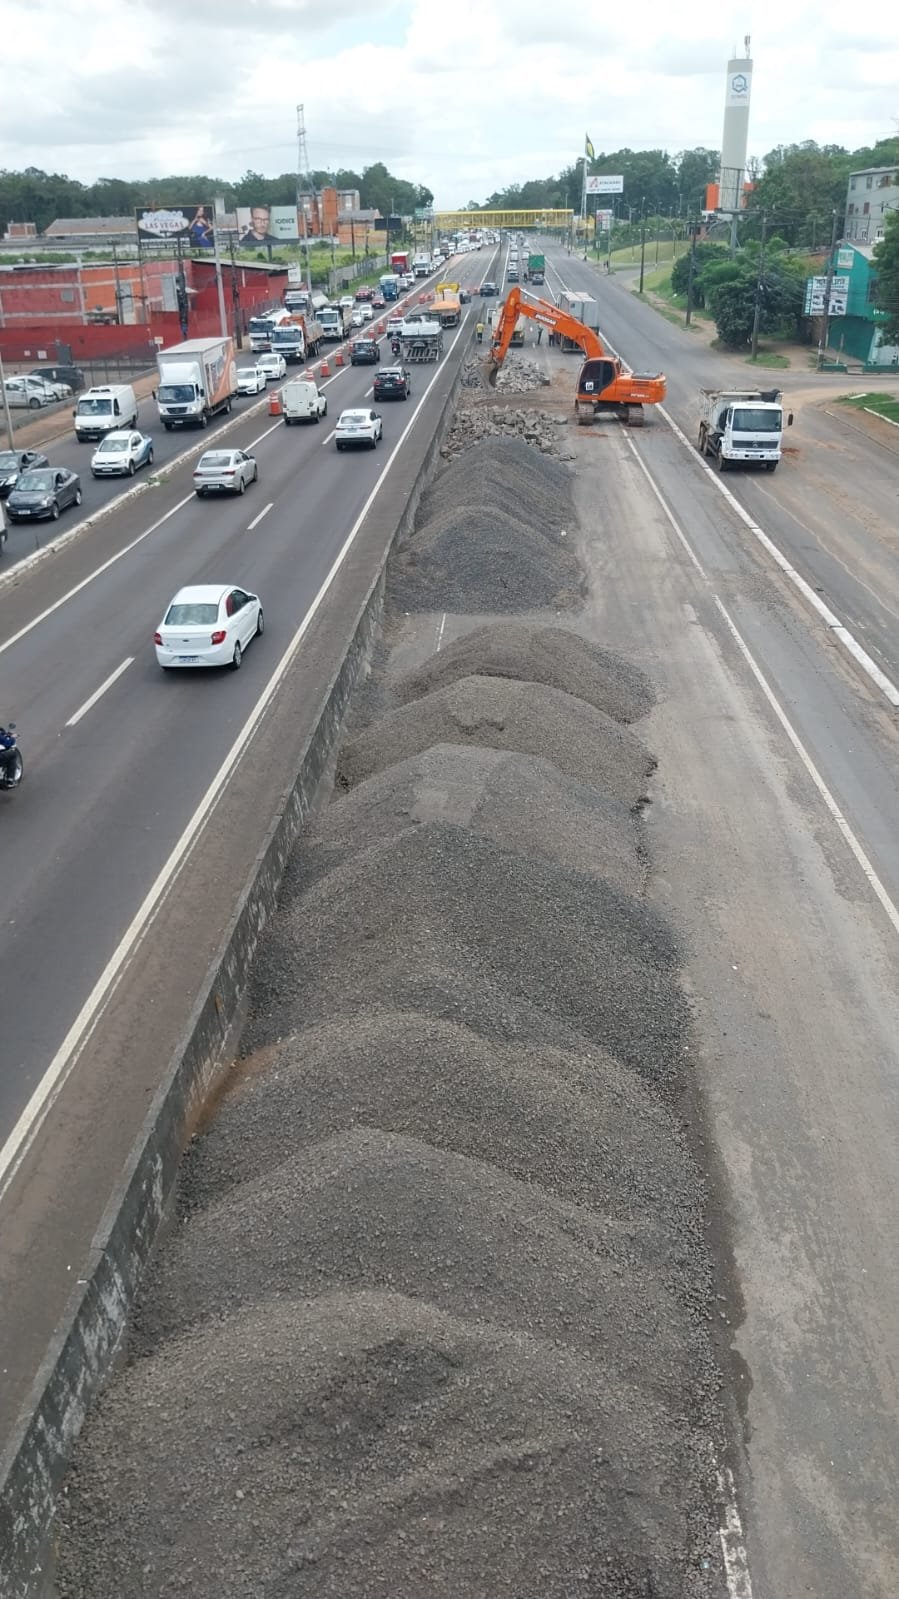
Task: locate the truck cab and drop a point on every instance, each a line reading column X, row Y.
column 743, row 427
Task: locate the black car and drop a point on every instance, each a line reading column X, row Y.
column 365, row 352
column 392, row 383
column 488, row 289
column 72, row 375
column 12, row 462
column 45, row 491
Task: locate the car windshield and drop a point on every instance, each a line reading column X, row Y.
column 757, row 421
column 95, row 407
column 113, row 447
column 214, row 459
column 32, row 482
column 196, row 615
column 9, row 461
column 353, row 417
column 260, row 324
column 175, row 393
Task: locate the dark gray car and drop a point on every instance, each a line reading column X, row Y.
column 43, row 492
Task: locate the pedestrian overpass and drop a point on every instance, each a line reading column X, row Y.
column 452, row 221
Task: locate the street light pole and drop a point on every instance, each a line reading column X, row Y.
column 6, row 416
column 690, row 272
column 642, row 240
column 757, row 311
column 828, row 289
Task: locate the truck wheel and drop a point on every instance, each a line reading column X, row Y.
column 770, row 466
column 167, row 426
column 702, row 442
column 722, row 464
column 204, row 420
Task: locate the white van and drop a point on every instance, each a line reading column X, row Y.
column 102, row 409
column 301, row 401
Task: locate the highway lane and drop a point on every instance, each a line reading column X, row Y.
column 25, row 537
column 833, row 505
column 104, row 802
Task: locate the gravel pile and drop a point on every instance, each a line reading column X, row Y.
column 504, row 475
column 518, row 374
column 366, row 1444
column 519, row 801
column 536, row 654
column 501, row 714
column 538, row 428
column 572, row 1122
column 591, row 959
column 483, row 561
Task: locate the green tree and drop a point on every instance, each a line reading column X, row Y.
column 886, row 285
column 733, row 307
column 696, row 169
column 705, row 255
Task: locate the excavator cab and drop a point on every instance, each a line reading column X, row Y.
column 596, row 376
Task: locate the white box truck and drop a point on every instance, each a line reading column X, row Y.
column 197, row 379
column 104, row 408
column 421, row 266
column 742, row 426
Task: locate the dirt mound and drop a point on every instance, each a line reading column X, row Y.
column 526, row 717
column 520, row 802
column 472, row 559
column 556, row 941
column 506, row 475
column 535, row 654
column 575, row 1124
column 368, row 1444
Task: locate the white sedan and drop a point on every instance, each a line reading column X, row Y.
column 208, row 624
column 273, row 365
column 346, row 301
column 251, row 379
column 358, row 428
column 224, row 472
column 121, row 453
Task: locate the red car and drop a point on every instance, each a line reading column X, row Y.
column 364, row 294
column 378, row 302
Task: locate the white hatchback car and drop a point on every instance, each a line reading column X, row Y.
column 251, row 379
column 224, row 472
column 120, row 454
column 208, row 624
column 357, row 429
column 273, row 365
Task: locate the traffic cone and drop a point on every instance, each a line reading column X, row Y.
column 338, row 359
column 324, row 370
column 309, row 375
column 274, row 403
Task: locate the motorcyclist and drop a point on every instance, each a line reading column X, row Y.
column 10, row 757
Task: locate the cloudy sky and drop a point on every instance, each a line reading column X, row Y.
column 466, row 97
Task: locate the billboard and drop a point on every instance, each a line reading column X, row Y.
column 739, row 84
column 193, row 224
column 605, row 183
column 815, row 290
column 266, row 224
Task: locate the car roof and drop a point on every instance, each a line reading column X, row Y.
column 118, row 433
column 389, row 371
column 202, row 594
column 206, row 453
column 355, row 410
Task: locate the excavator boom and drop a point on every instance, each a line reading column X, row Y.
column 603, row 383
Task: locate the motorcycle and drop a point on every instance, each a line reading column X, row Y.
column 395, row 346
column 12, row 767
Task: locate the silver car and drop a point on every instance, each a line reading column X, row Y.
column 224, row 472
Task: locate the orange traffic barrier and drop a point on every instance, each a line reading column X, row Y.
column 274, row 403
column 324, row 370
column 338, row 359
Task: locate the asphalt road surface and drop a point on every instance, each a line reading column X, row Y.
column 120, row 759
column 775, row 829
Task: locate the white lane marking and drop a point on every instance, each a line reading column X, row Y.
column 98, row 693
column 733, row 1543
column 665, row 506
column 825, row 793
column 257, row 519
column 64, row 1060
column 831, row 621
column 440, row 632
column 328, row 437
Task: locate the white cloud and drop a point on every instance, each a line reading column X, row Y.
column 465, row 98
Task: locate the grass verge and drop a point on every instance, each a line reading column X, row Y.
column 886, row 405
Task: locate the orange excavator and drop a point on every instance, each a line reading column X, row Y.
column 603, row 384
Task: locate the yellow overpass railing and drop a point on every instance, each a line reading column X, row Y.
column 501, row 219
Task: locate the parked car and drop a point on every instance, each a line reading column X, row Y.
column 274, row 366
column 365, row 352
column 22, row 398
column 357, row 428
column 251, row 379
column 208, row 624
column 14, row 462
column 391, row 383
column 70, row 375
column 224, row 472
column 43, row 491
column 121, row 454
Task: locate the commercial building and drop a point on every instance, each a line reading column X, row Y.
column 871, row 195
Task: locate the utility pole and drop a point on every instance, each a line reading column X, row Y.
column 302, row 169
column 218, row 213
column 690, row 274
column 118, row 285
column 828, row 289
column 642, row 240
column 6, row 416
column 235, row 296
column 757, row 311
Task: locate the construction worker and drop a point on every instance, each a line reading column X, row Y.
column 479, row 330
column 539, row 331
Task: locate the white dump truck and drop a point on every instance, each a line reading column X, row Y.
column 742, row 426
column 197, row 379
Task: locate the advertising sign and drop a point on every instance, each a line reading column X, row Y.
column 604, row 220
column 605, row 183
column 158, row 224
column 266, row 224
column 815, row 289
column 738, row 87
column 845, row 258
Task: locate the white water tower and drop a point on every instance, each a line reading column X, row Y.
column 735, row 138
